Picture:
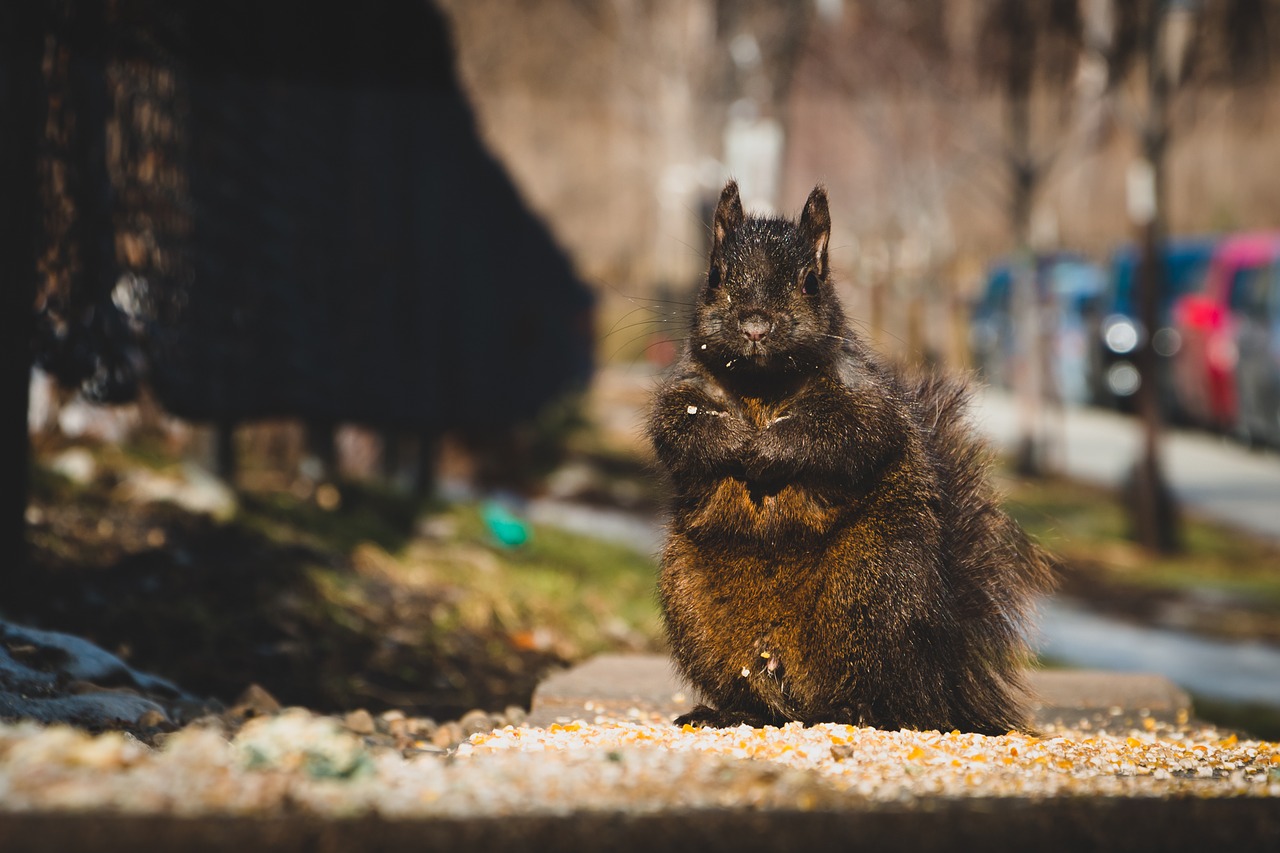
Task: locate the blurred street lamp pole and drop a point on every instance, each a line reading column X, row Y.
column 1169, row 35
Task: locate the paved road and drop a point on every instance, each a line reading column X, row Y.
column 1210, row 475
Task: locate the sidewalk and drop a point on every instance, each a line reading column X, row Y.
column 1210, row 474
column 644, row 686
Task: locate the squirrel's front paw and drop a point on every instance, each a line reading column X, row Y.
column 771, row 457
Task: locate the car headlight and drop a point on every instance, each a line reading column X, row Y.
column 1167, row 341
column 1123, row 379
column 1120, row 334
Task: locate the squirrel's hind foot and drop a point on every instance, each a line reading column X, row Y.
column 704, row 716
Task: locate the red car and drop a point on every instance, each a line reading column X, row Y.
column 1204, row 365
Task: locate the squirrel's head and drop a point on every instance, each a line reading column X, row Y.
column 767, row 304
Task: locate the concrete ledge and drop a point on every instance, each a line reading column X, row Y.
column 1044, row 825
column 641, row 685
column 648, row 686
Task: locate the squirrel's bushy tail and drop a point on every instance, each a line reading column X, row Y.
column 993, row 572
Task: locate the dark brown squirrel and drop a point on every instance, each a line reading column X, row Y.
column 835, row 552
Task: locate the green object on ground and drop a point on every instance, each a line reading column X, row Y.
column 504, row 525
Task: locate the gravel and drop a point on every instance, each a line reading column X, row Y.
column 296, row 761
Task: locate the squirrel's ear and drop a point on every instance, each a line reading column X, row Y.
column 728, row 213
column 816, row 223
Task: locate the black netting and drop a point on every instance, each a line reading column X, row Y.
column 266, row 209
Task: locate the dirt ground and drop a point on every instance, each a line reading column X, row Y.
column 218, row 607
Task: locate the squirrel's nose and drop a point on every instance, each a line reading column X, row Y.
column 755, row 327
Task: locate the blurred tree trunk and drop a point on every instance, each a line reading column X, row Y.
column 1025, row 174
column 1027, row 47
column 1152, row 504
column 22, row 30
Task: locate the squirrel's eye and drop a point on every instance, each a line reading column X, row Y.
column 713, row 278
column 810, row 285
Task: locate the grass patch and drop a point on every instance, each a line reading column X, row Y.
column 559, row 589
column 358, row 597
column 1088, row 528
column 364, row 513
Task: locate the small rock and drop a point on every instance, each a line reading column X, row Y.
column 360, row 722
column 214, row 722
column 422, row 727
column 421, row 748
column 438, row 527
column 107, row 751
column 153, row 719
column 76, row 464
column 395, row 723
column 474, row 722
column 516, row 715
column 255, row 701
column 447, row 735
column 297, row 740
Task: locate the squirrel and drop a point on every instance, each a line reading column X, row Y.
column 835, row 551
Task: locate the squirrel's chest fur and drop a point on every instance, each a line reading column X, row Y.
column 731, row 515
column 771, row 586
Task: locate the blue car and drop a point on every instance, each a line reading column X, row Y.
column 1068, row 286
column 1117, row 332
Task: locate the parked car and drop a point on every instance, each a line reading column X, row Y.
column 1075, row 286
column 1258, row 362
column 1204, row 367
column 1067, row 287
column 1117, row 332
column 991, row 326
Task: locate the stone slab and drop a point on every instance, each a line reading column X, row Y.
column 1044, row 826
column 648, row 686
